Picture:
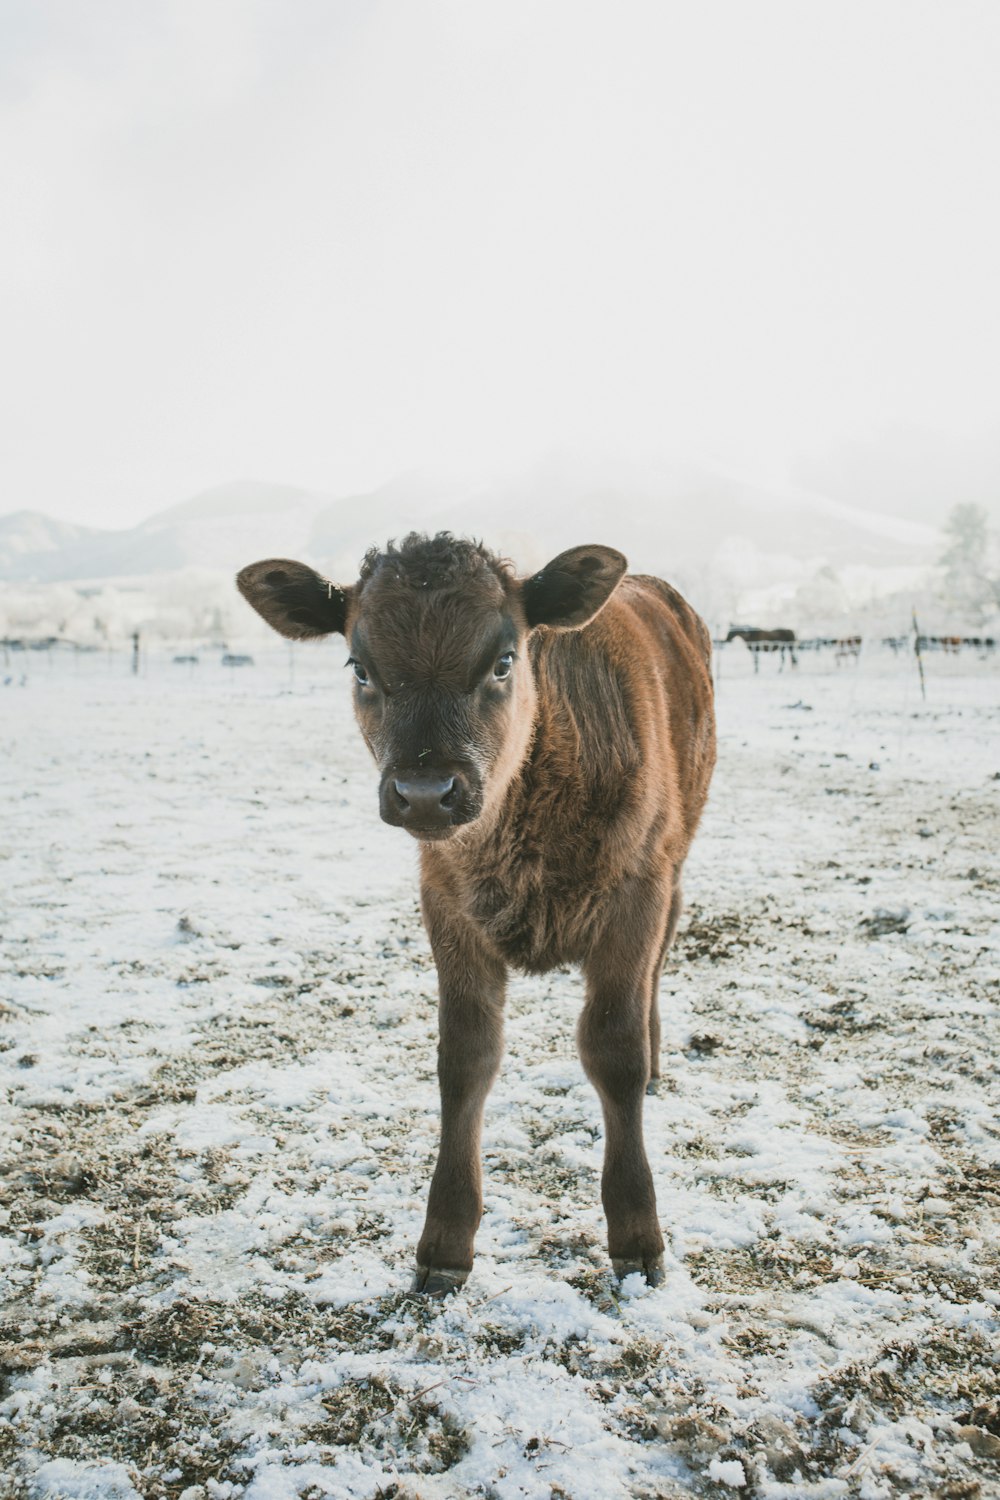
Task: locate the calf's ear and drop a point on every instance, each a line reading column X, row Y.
column 294, row 599
column 571, row 589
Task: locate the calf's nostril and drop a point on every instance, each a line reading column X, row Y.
column 449, row 793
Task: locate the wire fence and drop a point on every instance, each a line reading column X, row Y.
column 290, row 666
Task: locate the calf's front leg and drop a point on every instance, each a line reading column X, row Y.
column 614, row 1041
column 471, row 982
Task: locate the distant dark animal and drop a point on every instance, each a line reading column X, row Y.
column 190, row 660
column 233, row 659
column 948, row 643
column 847, row 646
column 549, row 740
column 41, row 643
column 765, row 640
column 955, row 644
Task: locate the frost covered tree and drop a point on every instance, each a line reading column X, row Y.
column 968, row 582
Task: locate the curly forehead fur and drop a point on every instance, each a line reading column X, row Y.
column 433, row 562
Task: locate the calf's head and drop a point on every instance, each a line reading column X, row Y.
column 437, row 633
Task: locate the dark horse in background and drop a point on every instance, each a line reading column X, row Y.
column 765, row 640
column 549, row 742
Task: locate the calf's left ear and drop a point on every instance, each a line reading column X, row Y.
column 294, row 599
column 571, row 589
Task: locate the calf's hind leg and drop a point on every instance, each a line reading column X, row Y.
column 470, row 1022
column 614, row 1041
column 673, row 918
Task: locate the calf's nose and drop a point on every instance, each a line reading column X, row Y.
column 425, row 798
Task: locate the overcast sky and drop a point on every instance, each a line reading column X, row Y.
column 320, row 242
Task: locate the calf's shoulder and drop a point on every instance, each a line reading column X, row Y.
column 611, row 788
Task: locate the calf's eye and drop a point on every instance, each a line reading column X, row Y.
column 359, row 672
column 504, row 664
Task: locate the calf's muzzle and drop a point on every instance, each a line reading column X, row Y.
column 423, row 802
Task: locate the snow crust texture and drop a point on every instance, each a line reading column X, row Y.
column 218, row 1011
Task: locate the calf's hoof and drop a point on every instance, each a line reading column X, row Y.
column 436, row 1281
column 651, row 1269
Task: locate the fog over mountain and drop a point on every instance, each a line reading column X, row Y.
column 34, row 546
column 205, row 531
column 907, row 471
column 668, row 518
column 738, row 550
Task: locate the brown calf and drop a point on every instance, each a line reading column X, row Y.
column 550, row 741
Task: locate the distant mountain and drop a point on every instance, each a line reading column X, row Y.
column 226, row 527
column 668, row 518
column 241, row 497
column 672, row 518
column 33, row 544
column 222, row 528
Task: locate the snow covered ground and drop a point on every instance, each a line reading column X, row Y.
column 219, row 1016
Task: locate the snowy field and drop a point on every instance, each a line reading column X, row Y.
column 219, row 1019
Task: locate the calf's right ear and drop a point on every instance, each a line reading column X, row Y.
column 294, row 599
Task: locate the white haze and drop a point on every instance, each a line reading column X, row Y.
column 322, row 244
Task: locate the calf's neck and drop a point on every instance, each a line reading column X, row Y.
column 549, row 740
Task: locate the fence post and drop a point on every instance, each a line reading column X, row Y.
column 920, row 660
